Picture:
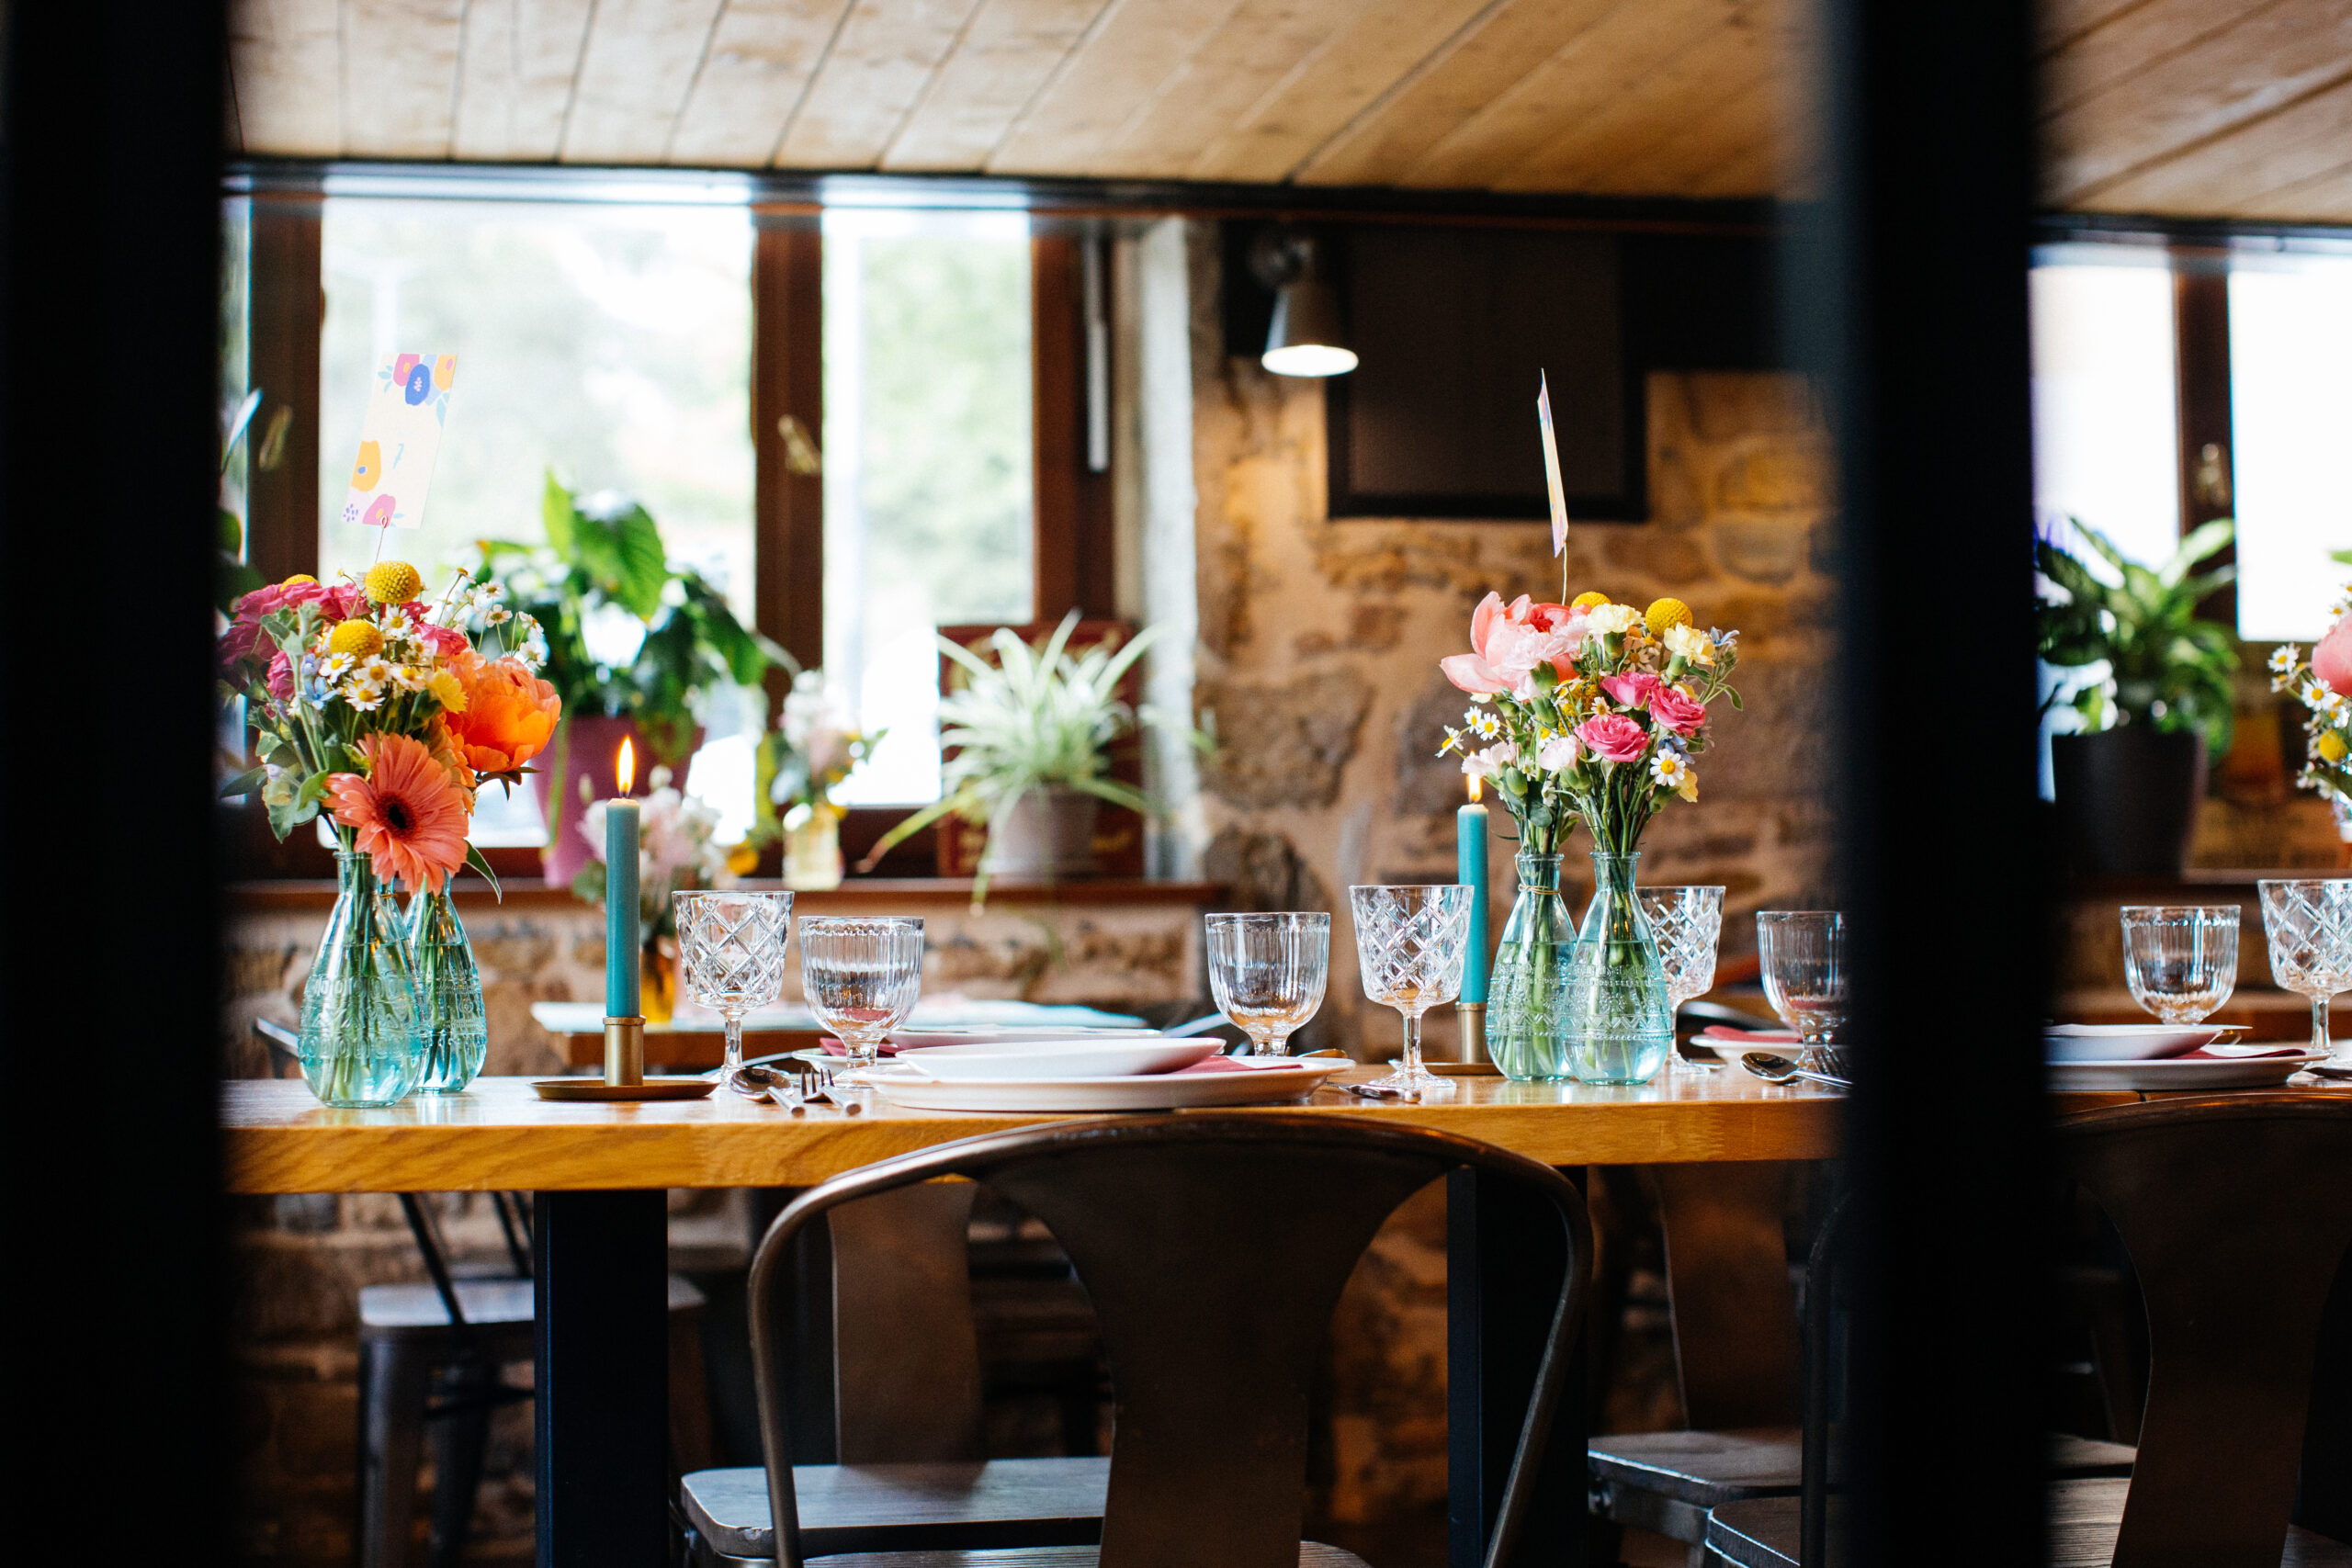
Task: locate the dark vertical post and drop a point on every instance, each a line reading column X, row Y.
column 1070, row 502
column 602, row 1395
column 289, row 313
column 788, row 385
column 2200, row 297
column 1908, row 290
column 1504, row 1256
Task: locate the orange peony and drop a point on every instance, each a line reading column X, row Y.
column 509, row 714
column 412, row 821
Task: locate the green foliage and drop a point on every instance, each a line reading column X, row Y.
column 2165, row 668
column 608, row 553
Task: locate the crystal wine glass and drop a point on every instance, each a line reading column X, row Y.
column 2309, row 922
column 730, row 946
column 862, row 977
column 1803, row 954
column 2180, row 960
column 1689, row 925
column 1267, row 973
column 1410, row 942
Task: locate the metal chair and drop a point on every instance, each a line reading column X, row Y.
column 2237, row 1211
column 1215, row 1248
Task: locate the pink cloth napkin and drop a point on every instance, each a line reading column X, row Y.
column 1216, row 1064
column 1748, row 1036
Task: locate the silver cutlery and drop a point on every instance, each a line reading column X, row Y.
column 1779, row 1070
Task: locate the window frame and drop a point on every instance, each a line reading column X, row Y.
column 1072, row 512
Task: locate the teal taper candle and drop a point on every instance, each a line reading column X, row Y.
column 1470, row 854
column 620, row 902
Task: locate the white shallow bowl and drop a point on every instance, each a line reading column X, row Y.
column 1731, row 1051
column 1008, row 1033
column 1032, row 1058
column 1288, row 1078
column 2226, row 1072
column 2125, row 1041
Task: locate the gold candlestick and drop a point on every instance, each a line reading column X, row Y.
column 624, row 1052
column 1472, row 1016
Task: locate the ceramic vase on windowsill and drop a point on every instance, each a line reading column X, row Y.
column 454, row 1029
column 361, row 1042
column 812, row 847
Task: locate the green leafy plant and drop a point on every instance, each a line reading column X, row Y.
column 604, row 556
column 1036, row 718
column 2165, row 668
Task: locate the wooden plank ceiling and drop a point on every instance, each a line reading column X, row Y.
column 2239, row 108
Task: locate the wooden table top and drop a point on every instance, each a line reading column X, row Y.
column 499, row 1136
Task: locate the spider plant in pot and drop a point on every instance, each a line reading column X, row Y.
column 1029, row 732
column 2155, row 697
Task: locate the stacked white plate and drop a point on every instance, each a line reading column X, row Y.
column 1095, row 1072
column 2156, row 1056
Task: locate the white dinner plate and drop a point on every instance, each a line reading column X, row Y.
column 2227, row 1072
column 1288, row 1078
column 2125, row 1041
column 1030, row 1059
column 1731, row 1051
column 1005, row 1033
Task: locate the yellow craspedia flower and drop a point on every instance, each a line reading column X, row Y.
column 446, row 690
column 299, row 580
column 393, row 582
column 1588, row 601
column 2332, row 745
column 1664, row 612
column 359, row 639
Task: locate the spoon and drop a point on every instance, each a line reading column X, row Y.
column 1775, row 1069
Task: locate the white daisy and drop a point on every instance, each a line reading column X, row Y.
column 364, row 694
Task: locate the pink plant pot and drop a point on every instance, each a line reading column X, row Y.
column 584, row 748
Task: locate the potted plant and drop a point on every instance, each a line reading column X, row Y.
column 2154, row 703
column 1028, row 734
column 631, row 641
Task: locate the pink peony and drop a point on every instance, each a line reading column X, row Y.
column 1508, row 642
column 1633, row 690
column 2331, row 659
column 1681, row 714
column 1613, row 738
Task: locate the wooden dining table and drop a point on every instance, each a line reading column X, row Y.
column 601, row 1171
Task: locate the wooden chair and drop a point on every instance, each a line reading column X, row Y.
column 1215, row 1248
column 2237, row 1212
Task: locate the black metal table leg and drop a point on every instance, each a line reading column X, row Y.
column 1503, row 1260
column 602, row 1401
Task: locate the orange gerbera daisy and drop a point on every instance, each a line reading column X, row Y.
column 411, row 816
column 509, row 714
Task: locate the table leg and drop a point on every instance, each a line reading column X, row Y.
column 1503, row 1262
column 602, row 1262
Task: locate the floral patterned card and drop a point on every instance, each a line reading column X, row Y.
column 399, row 440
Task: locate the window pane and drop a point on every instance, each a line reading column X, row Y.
column 609, row 342
column 927, row 465
column 2105, row 434
column 2290, row 411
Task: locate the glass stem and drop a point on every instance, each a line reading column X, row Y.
column 734, row 1063
column 2319, row 1024
column 1412, row 1045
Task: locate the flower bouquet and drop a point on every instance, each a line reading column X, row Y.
column 1587, row 712
column 2323, row 685
column 674, row 852
column 812, row 750
column 375, row 712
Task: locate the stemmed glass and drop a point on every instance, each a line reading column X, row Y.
column 1267, row 973
column 730, row 946
column 1803, row 954
column 862, row 977
column 1410, row 942
column 1689, row 925
column 2180, row 960
column 2309, row 922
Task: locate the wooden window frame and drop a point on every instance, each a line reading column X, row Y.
column 2201, row 335
column 1074, row 530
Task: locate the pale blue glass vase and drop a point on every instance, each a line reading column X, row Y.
column 1619, row 1011
column 361, row 1045
column 1527, row 1020
column 455, row 1028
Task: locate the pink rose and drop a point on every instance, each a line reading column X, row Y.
column 1613, row 738
column 281, row 678
column 1630, row 690
column 1681, row 713
column 2331, row 659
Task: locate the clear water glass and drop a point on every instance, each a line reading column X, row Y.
column 1689, row 925
column 2309, row 924
column 862, row 977
column 1410, row 942
column 731, row 948
column 1267, row 974
column 1805, row 977
column 2180, row 960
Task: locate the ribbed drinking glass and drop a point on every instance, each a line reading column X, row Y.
column 2180, row 960
column 2309, row 922
column 1267, row 973
column 1410, row 942
column 1689, row 925
column 730, row 945
column 1805, row 978
column 862, row 977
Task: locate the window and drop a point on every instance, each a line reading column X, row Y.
column 2105, row 432
column 2290, row 405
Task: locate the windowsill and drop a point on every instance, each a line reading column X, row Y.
column 856, row 895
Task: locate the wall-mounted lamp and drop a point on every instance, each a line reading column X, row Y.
column 1306, row 337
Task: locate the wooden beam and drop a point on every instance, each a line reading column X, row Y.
column 1011, row 50
column 788, row 382
column 1072, row 504
column 2125, row 42
column 286, row 66
column 2239, row 172
column 515, row 77
column 289, row 306
column 400, row 76
column 881, row 62
column 762, row 55
column 635, row 71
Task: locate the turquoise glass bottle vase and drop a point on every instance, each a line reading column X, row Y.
column 361, row 1044
column 454, row 1027
column 1619, row 1012
column 1527, row 1022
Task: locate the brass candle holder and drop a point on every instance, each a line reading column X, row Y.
column 1471, row 1060
column 624, row 1076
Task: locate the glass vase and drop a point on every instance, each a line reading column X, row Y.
column 812, row 851
column 361, row 1044
column 1620, row 1012
column 1527, row 1022
column 455, row 1028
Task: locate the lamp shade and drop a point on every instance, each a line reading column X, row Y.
column 1307, row 338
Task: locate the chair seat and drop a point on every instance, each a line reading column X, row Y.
column 1707, row 1468
column 858, row 1507
column 393, row 1312
column 1311, row 1554
column 2085, row 1517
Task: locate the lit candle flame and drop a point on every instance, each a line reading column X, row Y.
column 624, row 765
column 1475, row 788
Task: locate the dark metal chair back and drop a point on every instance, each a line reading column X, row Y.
column 2237, row 1212
column 1215, row 1248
